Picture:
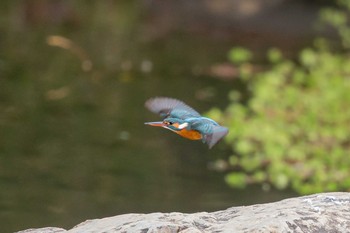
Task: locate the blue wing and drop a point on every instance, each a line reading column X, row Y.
column 169, row 107
column 218, row 133
column 211, row 131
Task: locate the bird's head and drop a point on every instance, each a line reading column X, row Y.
column 173, row 124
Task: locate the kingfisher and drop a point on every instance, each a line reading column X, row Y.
column 185, row 121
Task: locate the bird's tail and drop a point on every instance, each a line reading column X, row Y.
column 218, row 133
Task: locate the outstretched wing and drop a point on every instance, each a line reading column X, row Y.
column 165, row 107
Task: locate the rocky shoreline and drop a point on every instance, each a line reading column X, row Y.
column 324, row 212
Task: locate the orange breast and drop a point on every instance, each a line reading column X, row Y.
column 190, row 134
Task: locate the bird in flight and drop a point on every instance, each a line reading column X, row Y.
column 185, row 121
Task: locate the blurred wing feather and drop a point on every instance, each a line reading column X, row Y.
column 218, row 133
column 211, row 131
column 165, row 106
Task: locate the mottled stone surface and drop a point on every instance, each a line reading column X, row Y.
column 325, row 212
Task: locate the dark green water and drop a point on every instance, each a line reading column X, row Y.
column 73, row 145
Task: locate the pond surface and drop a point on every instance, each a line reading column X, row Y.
column 73, row 145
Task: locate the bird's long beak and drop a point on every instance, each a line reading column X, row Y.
column 155, row 123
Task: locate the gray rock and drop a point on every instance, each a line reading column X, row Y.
column 326, row 212
column 45, row 230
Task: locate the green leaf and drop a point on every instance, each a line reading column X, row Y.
column 237, row 179
column 239, row 55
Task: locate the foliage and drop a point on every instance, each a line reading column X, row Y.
column 294, row 130
column 239, row 55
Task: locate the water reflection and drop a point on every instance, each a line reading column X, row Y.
column 72, row 143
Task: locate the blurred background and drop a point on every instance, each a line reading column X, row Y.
column 74, row 76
